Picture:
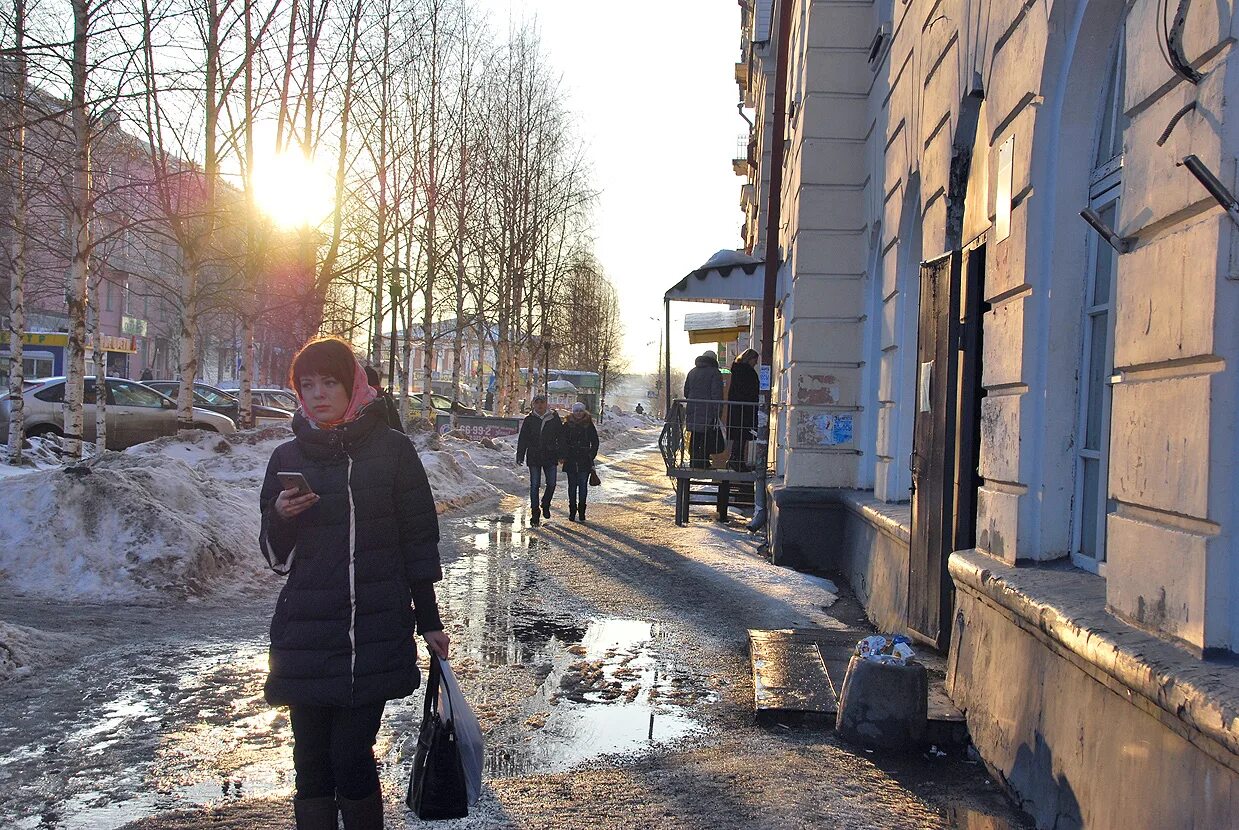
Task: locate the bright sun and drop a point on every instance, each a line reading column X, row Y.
column 293, row 190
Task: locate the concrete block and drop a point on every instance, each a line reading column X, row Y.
column 813, row 385
column 824, row 296
column 1004, row 261
column 998, row 516
column 1017, row 63
column 1154, row 187
column 883, row 706
column 830, row 207
column 1206, row 27
column 838, row 25
column 933, row 233
column 831, row 161
column 894, row 372
column 808, row 467
column 1003, row 358
column 826, row 341
column 1159, row 444
column 830, row 115
column 1155, row 578
column 1001, row 421
column 830, row 254
column 1166, row 292
column 838, row 70
column 891, row 333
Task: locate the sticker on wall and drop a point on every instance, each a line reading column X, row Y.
column 1002, row 198
column 763, row 377
column 825, row 429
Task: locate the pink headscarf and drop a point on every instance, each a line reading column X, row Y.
column 363, row 393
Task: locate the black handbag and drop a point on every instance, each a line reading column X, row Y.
column 594, row 481
column 437, row 787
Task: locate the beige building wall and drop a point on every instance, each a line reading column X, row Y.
column 867, row 192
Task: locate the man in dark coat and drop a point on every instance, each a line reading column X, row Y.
column 703, row 389
column 391, row 412
column 538, row 446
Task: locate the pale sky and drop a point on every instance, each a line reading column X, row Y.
column 652, row 86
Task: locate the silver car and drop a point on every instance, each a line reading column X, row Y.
column 136, row 413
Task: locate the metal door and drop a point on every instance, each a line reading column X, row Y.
column 934, row 449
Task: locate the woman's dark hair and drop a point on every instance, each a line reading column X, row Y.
column 327, row 356
column 746, row 355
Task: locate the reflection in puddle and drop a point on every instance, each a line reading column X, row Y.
column 180, row 736
column 606, row 694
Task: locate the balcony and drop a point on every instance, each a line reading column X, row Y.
column 742, row 77
column 742, row 161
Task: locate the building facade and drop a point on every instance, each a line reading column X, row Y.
column 1004, row 369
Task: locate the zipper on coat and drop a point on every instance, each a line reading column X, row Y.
column 352, row 583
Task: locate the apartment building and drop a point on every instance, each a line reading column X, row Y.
column 1004, row 374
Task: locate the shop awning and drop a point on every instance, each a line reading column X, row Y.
column 717, row 326
column 729, row 277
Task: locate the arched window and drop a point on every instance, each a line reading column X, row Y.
column 1097, row 358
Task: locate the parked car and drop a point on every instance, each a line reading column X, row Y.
column 136, row 413
column 217, row 400
column 444, row 404
column 274, row 398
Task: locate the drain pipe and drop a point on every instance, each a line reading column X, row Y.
column 778, row 126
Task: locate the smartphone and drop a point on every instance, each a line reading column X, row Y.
column 295, row 481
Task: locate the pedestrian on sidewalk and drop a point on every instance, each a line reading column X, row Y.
column 579, row 448
column 360, row 549
column 391, row 411
column 703, row 389
column 538, row 446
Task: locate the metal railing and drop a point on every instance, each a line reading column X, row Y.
column 700, row 434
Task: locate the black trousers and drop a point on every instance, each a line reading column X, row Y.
column 699, row 448
column 333, row 750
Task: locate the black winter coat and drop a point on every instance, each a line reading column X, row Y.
column 538, row 443
column 578, row 444
column 342, row 632
column 702, row 387
column 745, row 386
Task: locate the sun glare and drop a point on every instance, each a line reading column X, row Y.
column 293, row 190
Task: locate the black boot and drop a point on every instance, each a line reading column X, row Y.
column 580, row 512
column 315, row 813
column 535, row 516
column 572, row 511
column 546, row 509
column 365, row 814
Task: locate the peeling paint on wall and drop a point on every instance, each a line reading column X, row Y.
column 824, row 429
column 818, row 390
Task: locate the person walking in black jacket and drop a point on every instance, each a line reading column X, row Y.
column 703, row 389
column 361, row 554
column 579, row 447
column 391, row 411
column 538, row 446
column 742, row 392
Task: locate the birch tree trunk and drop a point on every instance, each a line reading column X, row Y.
column 17, row 288
column 101, row 365
column 79, row 234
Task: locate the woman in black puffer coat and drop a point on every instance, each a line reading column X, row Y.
column 361, row 553
column 578, row 444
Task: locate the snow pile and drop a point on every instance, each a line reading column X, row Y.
column 40, row 453
column 23, row 650
column 621, row 431
column 129, row 527
column 239, row 458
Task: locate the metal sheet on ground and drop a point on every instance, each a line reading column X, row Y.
column 789, row 675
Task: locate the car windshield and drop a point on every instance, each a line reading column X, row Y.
column 283, row 400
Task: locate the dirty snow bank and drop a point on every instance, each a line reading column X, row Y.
column 24, row 650
column 38, row 454
column 126, row 527
column 619, row 432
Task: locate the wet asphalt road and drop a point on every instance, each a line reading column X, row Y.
column 607, row 664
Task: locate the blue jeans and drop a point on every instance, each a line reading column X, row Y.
column 536, row 472
column 578, row 486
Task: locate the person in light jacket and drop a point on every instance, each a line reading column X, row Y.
column 703, row 389
column 361, row 552
column 578, row 445
column 538, row 446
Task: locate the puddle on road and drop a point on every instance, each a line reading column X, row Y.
column 608, row 693
column 178, row 737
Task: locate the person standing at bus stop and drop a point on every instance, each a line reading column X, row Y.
column 538, row 446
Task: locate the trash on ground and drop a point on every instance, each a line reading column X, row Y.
column 895, row 650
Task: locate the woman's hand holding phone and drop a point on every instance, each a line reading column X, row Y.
column 296, row 498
